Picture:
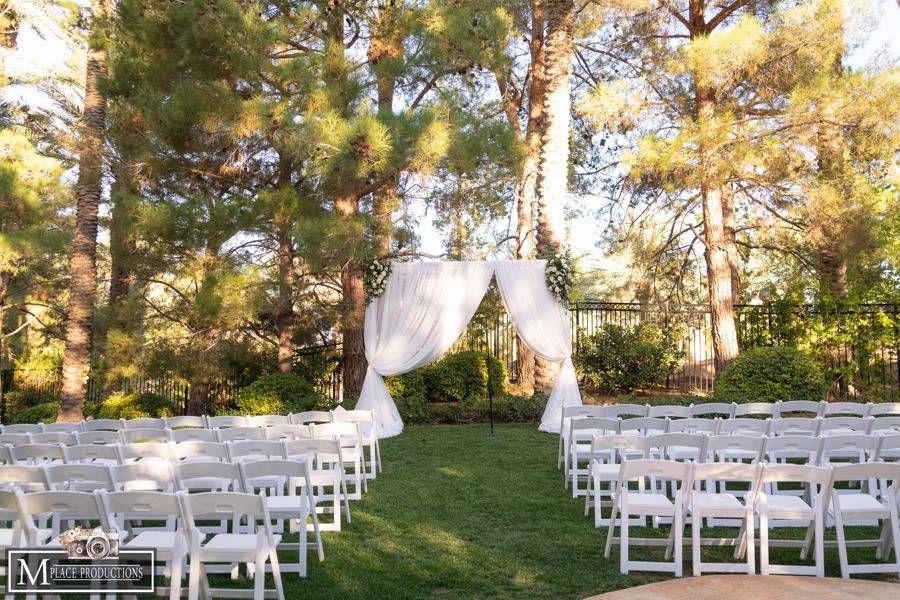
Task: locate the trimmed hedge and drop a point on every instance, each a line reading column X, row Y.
column 39, row 413
column 278, row 394
column 771, row 373
column 465, row 377
column 133, row 406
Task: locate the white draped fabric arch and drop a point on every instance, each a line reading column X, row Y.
column 424, row 309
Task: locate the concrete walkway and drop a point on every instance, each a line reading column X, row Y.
column 775, row 587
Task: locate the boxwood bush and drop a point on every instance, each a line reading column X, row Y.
column 279, row 394
column 465, row 377
column 621, row 359
column 771, row 373
column 39, row 413
column 123, row 405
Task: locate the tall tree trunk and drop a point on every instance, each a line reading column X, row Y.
column 284, row 232
column 729, row 220
column 384, row 201
column 83, row 265
column 199, row 396
column 554, row 156
column 718, row 267
column 353, row 312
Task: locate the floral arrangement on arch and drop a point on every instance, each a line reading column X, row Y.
column 559, row 276
column 376, row 277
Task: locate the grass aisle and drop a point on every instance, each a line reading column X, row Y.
column 460, row 514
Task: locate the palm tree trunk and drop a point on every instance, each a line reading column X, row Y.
column 554, row 155
column 83, row 265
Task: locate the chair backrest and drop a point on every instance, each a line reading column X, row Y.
column 619, row 446
column 755, row 409
column 131, row 436
column 225, row 505
column 716, row 409
column 99, row 437
column 146, row 423
column 669, row 411
column 792, row 446
column 840, row 425
column 223, row 421
column 788, row 473
column 644, row 425
column 658, row 469
column 788, row 407
column 795, row 426
column 80, row 477
column 888, row 472
column 198, row 451
column 185, row 421
column 744, row 426
column 267, row 420
column 232, row 434
column 15, row 439
column 145, row 452
column 37, row 453
column 287, row 474
column 89, row 453
column 364, row 418
column 888, row 448
column 54, row 437
column 884, row 408
column 587, row 427
column 23, row 428
column 287, row 432
column 119, row 506
column 193, row 434
column 143, row 476
column 63, row 427
column 208, row 475
column 103, row 424
column 727, row 471
column 693, row 425
column 310, row 416
column 583, row 410
column 63, row 505
column 853, row 446
column 850, row 409
column 613, row 411
column 347, row 433
column 665, row 441
column 252, row 450
column 720, row 447
column 885, row 425
column 28, row 477
column 5, row 457
column 321, row 450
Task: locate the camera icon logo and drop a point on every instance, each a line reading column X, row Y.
column 90, row 544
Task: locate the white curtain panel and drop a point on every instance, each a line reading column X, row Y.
column 543, row 324
column 425, row 307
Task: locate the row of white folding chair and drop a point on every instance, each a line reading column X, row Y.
column 253, row 542
column 690, row 499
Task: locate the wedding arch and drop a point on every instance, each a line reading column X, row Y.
column 426, row 306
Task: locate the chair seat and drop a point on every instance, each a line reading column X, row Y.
column 636, row 500
column 287, row 503
column 713, row 501
column 235, row 542
column 857, row 502
column 605, row 470
column 730, row 454
column 781, row 502
column 157, row 540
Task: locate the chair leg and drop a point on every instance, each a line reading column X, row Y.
column 763, row 539
column 750, row 543
column 259, row 580
column 175, row 576
column 276, row 573
column 820, row 541
column 194, row 578
column 895, row 533
column 611, row 530
column 623, row 542
column 841, row 541
column 695, row 543
column 678, row 524
column 318, row 535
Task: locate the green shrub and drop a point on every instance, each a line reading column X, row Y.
column 617, row 358
column 771, row 373
column 39, row 413
column 465, row 377
column 278, row 394
column 21, row 399
column 409, row 394
column 132, row 406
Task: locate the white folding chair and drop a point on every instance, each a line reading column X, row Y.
column 368, row 429
column 287, row 432
column 845, row 425
column 715, row 506
column 351, row 450
column 54, row 437
column 607, row 454
column 640, row 502
column 617, row 411
column 63, row 427
column 251, row 450
column 883, row 409
column 103, row 424
column 169, row 546
column 185, row 421
column 193, row 434
column 886, row 425
column 61, row 507
column 199, row 451
column 15, row 439
column 581, row 431
column 134, row 436
column 669, row 412
column 643, row 426
column 225, row 421
column 852, row 448
column 145, row 452
column 154, row 476
column 30, row 478
column 867, row 506
column 755, row 409
column 791, row 407
column 98, row 437
column 795, row 426
column 285, row 503
column 37, row 454
column 327, row 462
column 145, row 423
column 267, row 420
column 848, row 409
column 91, row 453
column 889, row 448
column 722, row 410
column 85, row 477
column 310, row 417
column 233, row 434
column 31, row 428
column 251, row 543
column 694, row 425
column 14, row 537
column 210, row 476
column 677, row 446
column 744, row 426
column 774, row 507
column 569, row 413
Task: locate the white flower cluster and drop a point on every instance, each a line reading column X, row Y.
column 559, row 278
column 376, row 278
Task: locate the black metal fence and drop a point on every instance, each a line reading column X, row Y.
column 857, row 345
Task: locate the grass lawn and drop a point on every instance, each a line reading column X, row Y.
column 460, row 514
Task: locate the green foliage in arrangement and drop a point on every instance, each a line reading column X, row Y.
column 278, row 394
column 465, row 377
column 771, row 373
column 620, row 358
column 39, row 413
column 132, row 406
